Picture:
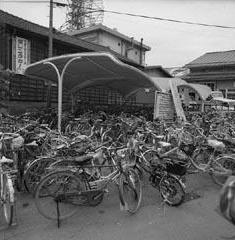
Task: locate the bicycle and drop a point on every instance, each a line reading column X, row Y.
column 76, row 186
column 164, row 173
column 206, row 157
column 7, row 192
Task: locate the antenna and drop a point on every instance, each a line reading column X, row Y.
column 83, row 13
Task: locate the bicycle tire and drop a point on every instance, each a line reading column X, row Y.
column 8, row 199
column 51, row 212
column 222, row 164
column 134, row 183
column 168, row 191
column 34, row 172
column 84, row 176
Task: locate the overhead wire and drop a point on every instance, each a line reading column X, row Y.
column 129, row 14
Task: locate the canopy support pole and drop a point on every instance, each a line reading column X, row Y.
column 59, row 93
column 60, row 78
column 72, row 102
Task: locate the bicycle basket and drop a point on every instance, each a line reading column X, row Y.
column 176, row 168
column 17, row 143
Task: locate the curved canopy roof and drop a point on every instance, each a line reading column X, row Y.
column 202, row 90
column 92, row 69
column 164, row 84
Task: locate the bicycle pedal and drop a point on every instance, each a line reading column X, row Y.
column 14, row 224
column 123, row 207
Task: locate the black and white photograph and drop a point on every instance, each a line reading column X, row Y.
column 117, row 119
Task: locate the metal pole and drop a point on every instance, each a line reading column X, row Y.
column 50, row 50
column 60, row 92
column 141, row 51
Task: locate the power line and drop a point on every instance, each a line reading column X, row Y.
column 130, row 14
column 169, row 20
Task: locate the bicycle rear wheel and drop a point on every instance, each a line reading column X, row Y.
column 35, row 171
column 130, row 189
column 58, row 195
column 8, row 199
column 172, row 190
column 222, row 167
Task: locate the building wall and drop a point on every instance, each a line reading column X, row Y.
column 111, row 41
column 90, row 37
column 39, row 46
column 117, row 44
column 220, row 78
column 227, row 87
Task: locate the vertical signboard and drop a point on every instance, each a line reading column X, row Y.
column 164, row 107
column 20, row 54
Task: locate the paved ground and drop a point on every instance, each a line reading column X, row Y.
column 195, row 219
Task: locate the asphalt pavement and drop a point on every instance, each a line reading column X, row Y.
column 197, row 218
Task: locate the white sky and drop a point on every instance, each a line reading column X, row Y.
column 172, row 44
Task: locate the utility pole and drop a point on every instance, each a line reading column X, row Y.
column 50, row 50
column 141, row 51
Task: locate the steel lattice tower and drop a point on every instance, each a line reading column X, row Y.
column 83, row 13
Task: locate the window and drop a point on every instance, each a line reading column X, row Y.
column 119, row 44
column 192, row 96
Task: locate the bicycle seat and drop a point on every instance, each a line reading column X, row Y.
column 33, row 143
column 83, row 159
column 6, row 160
column 159, row 137
column 82, row 150
column 59, row 147
column 215, row 144
column 164, row 144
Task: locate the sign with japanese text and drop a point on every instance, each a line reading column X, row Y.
column 20, row 54
column 164, row 106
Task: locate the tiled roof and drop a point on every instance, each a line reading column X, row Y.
column 214, row 58
column 109, row 30
column 21, row 23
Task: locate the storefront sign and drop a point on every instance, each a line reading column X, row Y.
column 20, row 54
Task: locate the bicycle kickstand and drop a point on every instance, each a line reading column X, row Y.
column 58, row 213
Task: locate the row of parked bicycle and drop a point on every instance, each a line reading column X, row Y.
column 67, row 170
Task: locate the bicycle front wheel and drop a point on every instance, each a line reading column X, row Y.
column 8, row 199
column 130, row 189
column 172, row 190
column 58, row 195
column 222, row 169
